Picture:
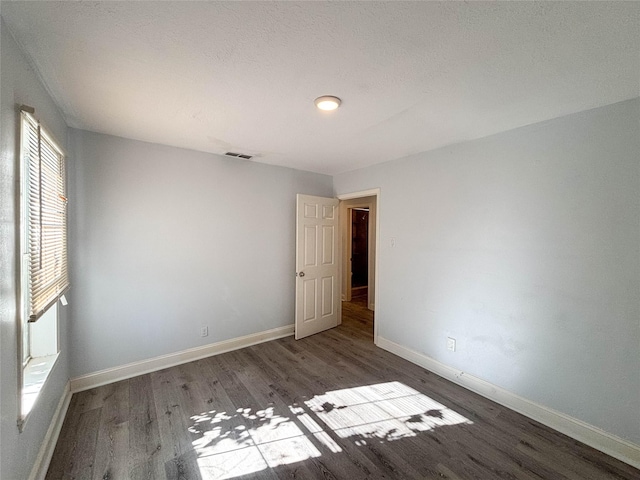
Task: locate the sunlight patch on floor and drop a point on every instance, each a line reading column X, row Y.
column 232, row 444
column 387, row 411
column 248, row 442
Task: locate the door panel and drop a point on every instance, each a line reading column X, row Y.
column 317, row 286
column 309, row 293
column 310, row 246
column 327, row 296
column 328, row 245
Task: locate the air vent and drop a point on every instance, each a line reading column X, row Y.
column 239, row 155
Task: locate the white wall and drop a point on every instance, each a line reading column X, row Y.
column 20, row 85
column 525, row 247
column 166, row 240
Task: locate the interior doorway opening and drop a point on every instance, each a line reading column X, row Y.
column 358, row 225
column 359, row 235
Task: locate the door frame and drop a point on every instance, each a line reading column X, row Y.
column 374, row 192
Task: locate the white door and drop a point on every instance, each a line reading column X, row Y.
column 317, row 265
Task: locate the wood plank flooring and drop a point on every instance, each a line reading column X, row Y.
column 331, row 406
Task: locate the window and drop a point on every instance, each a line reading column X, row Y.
column 44, row 273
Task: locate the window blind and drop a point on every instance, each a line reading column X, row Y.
column 46, row 204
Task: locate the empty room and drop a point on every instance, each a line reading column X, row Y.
column 319, row 240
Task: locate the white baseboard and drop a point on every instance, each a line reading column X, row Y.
column 110, row 375
column 39, row 470
column 593, row 436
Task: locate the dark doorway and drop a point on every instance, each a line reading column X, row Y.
column 359, row 251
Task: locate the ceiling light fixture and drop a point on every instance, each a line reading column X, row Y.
column 328, row 102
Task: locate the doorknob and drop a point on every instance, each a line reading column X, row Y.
column 301, row 274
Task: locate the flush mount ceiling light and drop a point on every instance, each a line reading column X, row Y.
column 327, row 102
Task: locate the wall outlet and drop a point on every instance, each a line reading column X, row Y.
column 451, row 344
column 204, row 331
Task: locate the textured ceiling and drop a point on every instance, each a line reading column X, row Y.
column 242, row 76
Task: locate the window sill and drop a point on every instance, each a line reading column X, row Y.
column 34, row 376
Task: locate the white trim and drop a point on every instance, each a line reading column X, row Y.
column 364, row 193
column 373, row 192
column 593, row 436
column 40, row 467
column 110, row 375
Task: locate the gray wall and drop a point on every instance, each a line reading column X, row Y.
column 166, row 240
column 525, row 247
column 20, row 85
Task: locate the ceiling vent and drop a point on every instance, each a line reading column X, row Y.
column 239, row 155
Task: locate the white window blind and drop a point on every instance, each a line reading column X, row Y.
column 46, row 229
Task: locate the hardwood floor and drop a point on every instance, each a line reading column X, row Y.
column 331, row 406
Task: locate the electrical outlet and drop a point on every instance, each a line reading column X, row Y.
column 204, row 331
column 451, row 344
